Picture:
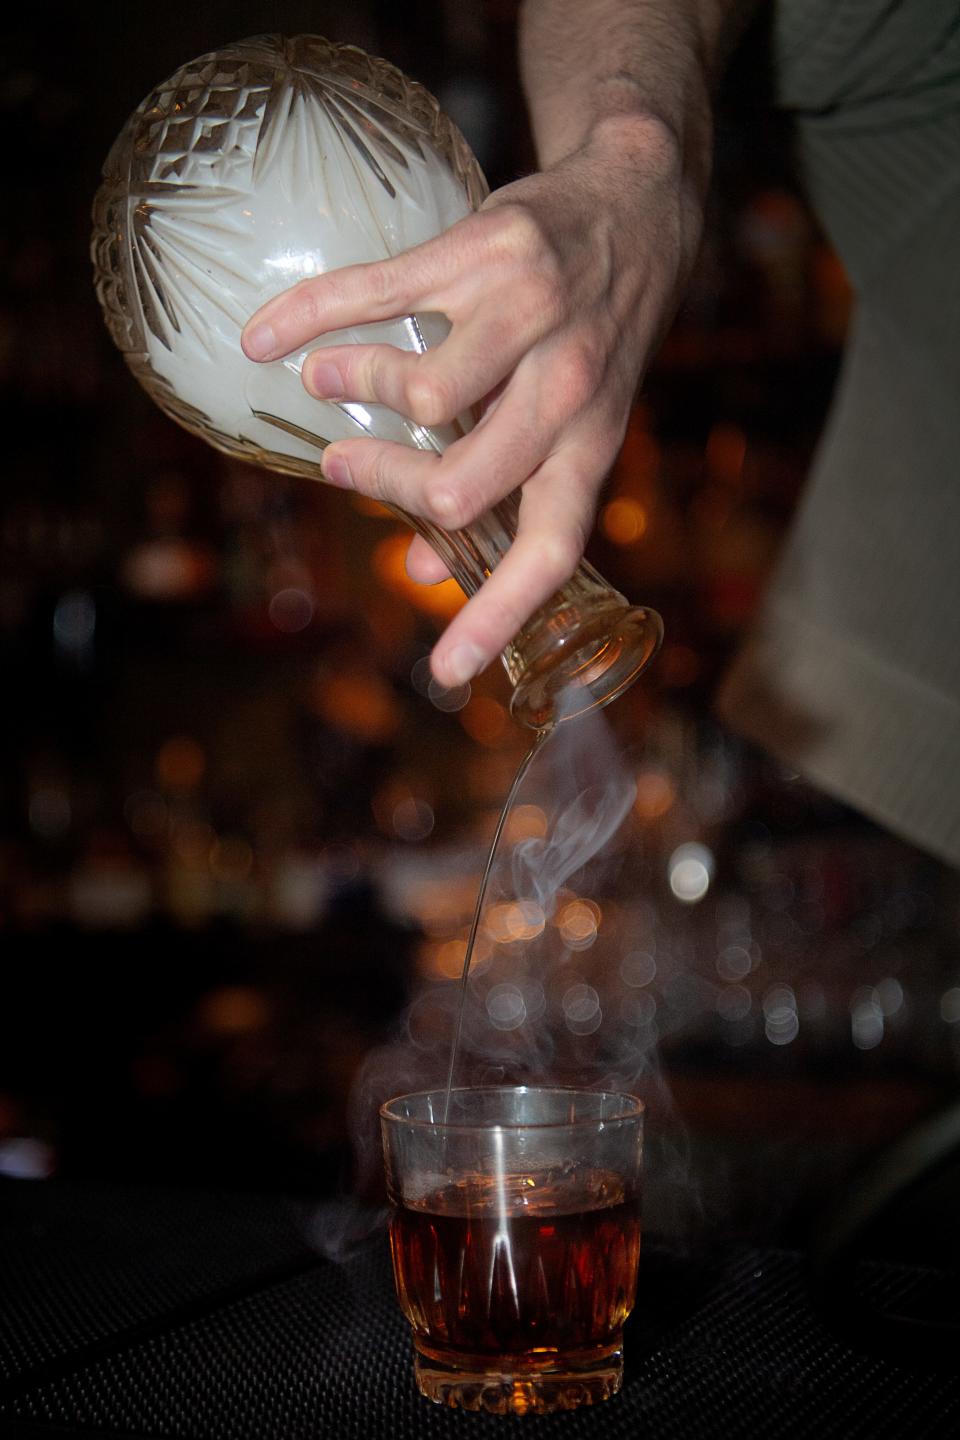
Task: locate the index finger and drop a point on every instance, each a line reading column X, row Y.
column 351, row 295
column 550, row 540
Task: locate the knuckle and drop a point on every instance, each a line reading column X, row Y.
column 578, row 376
column 374, row 368
column 517, row 235
column 430, row 398
column 372, row 475
column 305, row 314
column 449, row 506
column 522, row 248
column 557, row 556
column 505, row 617
column 380, row 280
column 517, row 231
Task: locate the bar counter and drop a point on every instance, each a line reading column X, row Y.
column 140, row 1313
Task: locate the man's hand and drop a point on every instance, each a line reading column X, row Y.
column 556, row 290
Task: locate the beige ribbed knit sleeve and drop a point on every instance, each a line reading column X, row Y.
column 852, row 672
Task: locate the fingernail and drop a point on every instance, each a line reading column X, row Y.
column 325, row 381
column 260, row 342
column 463, row 663
column 336, row 470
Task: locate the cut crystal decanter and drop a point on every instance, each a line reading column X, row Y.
column 260, row 165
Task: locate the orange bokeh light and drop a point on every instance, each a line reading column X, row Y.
column 484, row 719
column 624, row 521
column 578, row 922
column 368, row 506
column 442, row 959
column 441, row 907
column 655, row 794
column 358, row 703
column 390, row 568
column 639, row 459
column 514, row 920
column 525, row 822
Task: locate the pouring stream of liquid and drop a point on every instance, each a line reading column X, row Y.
column 541, row 736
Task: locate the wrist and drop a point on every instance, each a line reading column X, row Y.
column 642, row 70
column 641, row 155
column 678, row 144
column 635, row 138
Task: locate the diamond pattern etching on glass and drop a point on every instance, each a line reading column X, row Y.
column 194, row 228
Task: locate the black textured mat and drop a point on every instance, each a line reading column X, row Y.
column 213, row 1318
column 82, row 1264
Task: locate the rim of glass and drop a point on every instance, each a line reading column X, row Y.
column 632, row 1108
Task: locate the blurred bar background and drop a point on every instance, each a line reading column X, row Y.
column 239, row 833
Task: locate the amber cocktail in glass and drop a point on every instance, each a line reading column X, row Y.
column 515, row 1239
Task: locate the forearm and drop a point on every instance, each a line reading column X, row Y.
column 631, row 70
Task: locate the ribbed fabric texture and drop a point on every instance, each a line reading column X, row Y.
column 852, row 673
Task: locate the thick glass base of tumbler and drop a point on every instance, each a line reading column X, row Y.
column 531, row 1384
column 587, row 663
